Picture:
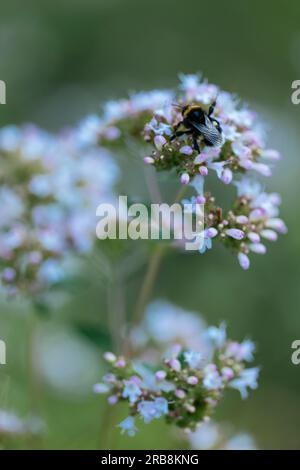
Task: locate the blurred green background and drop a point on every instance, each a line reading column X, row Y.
column 60, row 59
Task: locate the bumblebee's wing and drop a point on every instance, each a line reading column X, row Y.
column 209, row 131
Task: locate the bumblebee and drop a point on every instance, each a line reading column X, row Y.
column 199, row 123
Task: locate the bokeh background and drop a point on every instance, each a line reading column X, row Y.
column 60, row 59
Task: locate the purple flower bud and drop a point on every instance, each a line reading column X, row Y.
column 148, row 160
column 269, row 235
column 277, row 224
column 262, row 169
column 159, row 141
column 8, row 274
column 227, row 176
column 227, row 373
column 184, row 179
column 201, row 199
column 244, row 261
column 120, row 363
column 112, row 133
column 258, row 248
column 275, row 199
column 257, row 214
column 235, row 233
column 35, row 257
column 174, row 364
column 112, row 400
column 211, row 232
column 101, row 388
column 203, row 170
column 246, row 163
column 180, row 393
column 270, row 154
column 160, row 375
column 192, row 380
column 254, row 237
column 186, row 150
column 242, row 219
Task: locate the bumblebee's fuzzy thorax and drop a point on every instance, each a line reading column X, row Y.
column 199, row 123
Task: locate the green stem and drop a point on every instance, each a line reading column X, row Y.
column 148, row 282
column 152, row 271
column 34, row 382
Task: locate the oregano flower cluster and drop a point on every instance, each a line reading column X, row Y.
column 181, row 384
column 150, row 119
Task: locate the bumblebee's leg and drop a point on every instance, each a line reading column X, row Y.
column 195, row 143
column 175, row 131
column 180, row 133
column 212, row 108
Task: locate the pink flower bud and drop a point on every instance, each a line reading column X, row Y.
column 227, row 373
column 101, row 388
column 254, row 237
column 112, row 400
column 186, row 150
column 211, row 232
column 242, row 219
column 203, row 170
column 262, row 169
column 192, row 380
column 109, row 357
column 201, row 199
column 277, row 224
column 246, row 163
column 159, row 141
column 8, row 274
column 180, row 393
column 184, row 179
column 112, row 133
column 270, row 154
column 160, row 375
column 120, row 363
column 174, row 364
column 227, row 176
column 244, row 261
column 258, row 248
column 269, row 235
column 235, row 233
column 148, row 160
